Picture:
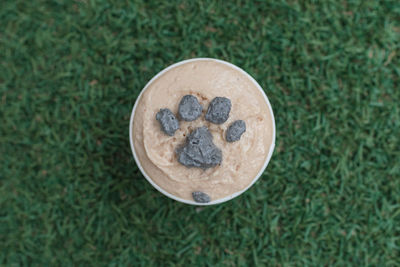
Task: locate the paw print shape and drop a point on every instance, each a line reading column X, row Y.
column 199, row 150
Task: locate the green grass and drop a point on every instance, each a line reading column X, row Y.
column 71, row 194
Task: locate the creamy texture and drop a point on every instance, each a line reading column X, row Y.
column 241, row 160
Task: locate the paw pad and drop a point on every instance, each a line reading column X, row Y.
column 218, row 110
column 235, row 131
column 189, row 108
column 199, row 150
column 168, row 121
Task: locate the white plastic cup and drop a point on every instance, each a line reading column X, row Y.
column 217, row 201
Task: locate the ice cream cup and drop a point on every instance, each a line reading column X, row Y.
column 217, row 201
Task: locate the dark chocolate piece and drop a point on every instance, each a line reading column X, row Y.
column 201, row 197
column 168, row 121
column 199, row 150
column 235, row 131
column 218, row 110
column 189, row 108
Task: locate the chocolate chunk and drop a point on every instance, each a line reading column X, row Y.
column 218, row 110
column 201, row 197
column 199, row 150
column 169, row 123
column 189, row 108
column 235, row 131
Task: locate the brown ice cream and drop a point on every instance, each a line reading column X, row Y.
column 242, row 160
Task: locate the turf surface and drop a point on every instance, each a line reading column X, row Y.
column 70, row 193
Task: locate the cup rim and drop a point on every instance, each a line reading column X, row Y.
column 217, row 201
